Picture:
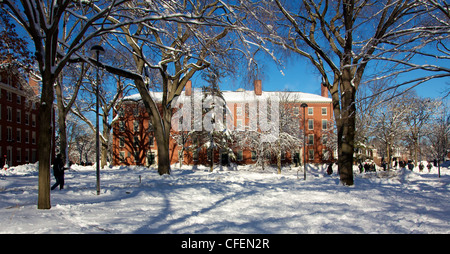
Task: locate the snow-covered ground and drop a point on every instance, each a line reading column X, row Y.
column 228, row 200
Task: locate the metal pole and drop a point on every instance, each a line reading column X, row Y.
column 97, row 49
column 97, row 135
column 304, row 105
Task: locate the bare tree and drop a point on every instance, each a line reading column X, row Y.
column 42, row 21
column 108, row 100
column 289, row 136
column 388, row 124
column 340, row 38
column 181, row 40
column 439, row 134
column 65, row 97
column 416, row 120
column 80, row 140
column 13, row 48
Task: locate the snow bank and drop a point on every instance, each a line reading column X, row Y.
column 22, row 170
column 236, row 199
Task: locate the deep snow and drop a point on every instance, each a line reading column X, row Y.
column 240, row 199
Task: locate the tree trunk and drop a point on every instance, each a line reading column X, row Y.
column 388, row 154
column 161, row 122
column 346, row 128
column 62, row 114
column 162, row 141
column 62, row 135
column 45, row 142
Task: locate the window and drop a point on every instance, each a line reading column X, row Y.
column 19, row 155
column 8, row 96
column 239, row 125
column 19, row 99
column 19, row 135
column 122, row 156
column 310, row 124
column 121, row 126
column 27, row 118
column 311, row 154
column 9, row 114
column 136, row 141
column 27, row 136
column 33, row 155
column 121, row 141
column 240, row 155
column 311, row 139
column 33, row 120
column 136, row 156
column 324, row 111
column 121, row 112
column 295, row 110
column 195, row 155
column 19, row 116
column 9, row 154
column 27, row 155
column 33, row 137
column 324, row 124
column 136, row 126
column 310, row 111
column 254, row 156
column 9, row 134
column 151, row 141
column 239, row 111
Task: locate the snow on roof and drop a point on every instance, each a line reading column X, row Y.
column 241, row 95
column 249, row 95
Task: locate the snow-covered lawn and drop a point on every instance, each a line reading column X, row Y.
column 228, row 200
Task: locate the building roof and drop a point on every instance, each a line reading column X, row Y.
column 242, row 95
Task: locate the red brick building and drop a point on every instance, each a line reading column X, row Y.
column 18, row 118
column 134, row 142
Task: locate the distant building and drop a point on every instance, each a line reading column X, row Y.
column 19, row 112
column 134, row 142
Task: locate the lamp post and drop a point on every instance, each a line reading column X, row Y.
column 97, row 49
column 304, row 106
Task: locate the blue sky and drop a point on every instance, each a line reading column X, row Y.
column 300, row 75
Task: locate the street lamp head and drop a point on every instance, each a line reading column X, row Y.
column 304, row 105
column 97, row 49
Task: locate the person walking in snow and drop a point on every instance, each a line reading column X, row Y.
column 330, row 169
column 410, row 165
column 421, row 166
column 429, row 166
column 383, row 164
column 58, row 172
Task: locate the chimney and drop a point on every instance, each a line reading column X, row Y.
column 324, row 90
column 258, row 87
column 188, row 88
